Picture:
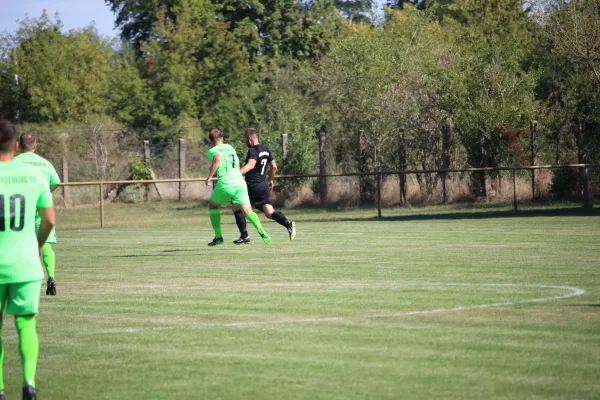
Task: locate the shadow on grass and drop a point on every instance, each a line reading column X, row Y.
column 474, row 214
column 584, row 305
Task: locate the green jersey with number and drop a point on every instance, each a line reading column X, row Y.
column 44, row 165
column 49, row 172
column 23, row 188
column 228, row 171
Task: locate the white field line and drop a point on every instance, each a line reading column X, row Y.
column 573, row 292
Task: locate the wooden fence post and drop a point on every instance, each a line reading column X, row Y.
column 145, row 190
column 284, row 150
column 483, row 143
column 446, row 144
column 182, row 167
column 65, row 178
column 322, row 168
column 534, row 144
column 582, row 159
column 402, row 167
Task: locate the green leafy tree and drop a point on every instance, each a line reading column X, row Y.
column 53, row 77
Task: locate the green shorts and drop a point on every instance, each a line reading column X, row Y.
column 51, row 237
column 238, row 194
column 20, row 298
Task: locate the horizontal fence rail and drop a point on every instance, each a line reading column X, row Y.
column 378, row 174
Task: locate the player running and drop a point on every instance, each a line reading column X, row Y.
column 23, row 189
column 259, row 186
column 230, row 186
column 28, row 145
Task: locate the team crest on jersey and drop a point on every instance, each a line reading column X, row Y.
column 263, row 153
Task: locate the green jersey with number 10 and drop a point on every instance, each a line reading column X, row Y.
column 228, row 171
column 23, row 189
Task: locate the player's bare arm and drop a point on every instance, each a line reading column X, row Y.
column 213, row 168
column 272, row 171
column 248, row 167
column 48, row 222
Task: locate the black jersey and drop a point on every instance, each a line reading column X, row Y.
column 263, row 156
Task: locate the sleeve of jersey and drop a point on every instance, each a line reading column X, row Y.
column 45, row 198
column 54, row 178
column 211, row 154
column 251, row 155
column 270, row 155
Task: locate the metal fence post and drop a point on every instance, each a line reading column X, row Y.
column 586, row 188
column 101, row 187
column 378, row 195
column 515, row 204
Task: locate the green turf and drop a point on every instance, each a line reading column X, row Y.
column 146, row 310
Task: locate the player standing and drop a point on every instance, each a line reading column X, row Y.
column 23, row 189
column 28, row 145
column 230, row 186
column 259, row 186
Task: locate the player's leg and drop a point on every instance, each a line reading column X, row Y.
column 215, row 221
column 49, row 259
column 3, row 298
column 240, row 221
column 280, row 218
column 242, row 201
column 255, row 221
column 219, row 197
column 23, row 301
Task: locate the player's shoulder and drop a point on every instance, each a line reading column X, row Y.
column 30, row 174
column 34, row 159
column 263, row 150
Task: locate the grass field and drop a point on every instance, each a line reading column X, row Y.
column 427, row 303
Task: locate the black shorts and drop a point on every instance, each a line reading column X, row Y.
column 259, row 195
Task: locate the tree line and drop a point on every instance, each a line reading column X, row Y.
column 473, row 72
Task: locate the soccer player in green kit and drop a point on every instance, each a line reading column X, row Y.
column 230, row 186
column 23, row 190
column 28, row 145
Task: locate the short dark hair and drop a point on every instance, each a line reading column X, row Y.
column 215, row 134
column 251, row 132
column 8, row 136
column 27, row 141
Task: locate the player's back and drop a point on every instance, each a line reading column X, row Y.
column 228, row 171
column 263, row 156
column 22, row 189
column 42, row 164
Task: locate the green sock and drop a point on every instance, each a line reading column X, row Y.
column 28, row 348
column 215, row 220
column 49, row 259
column 1, row 359
column 254, row 220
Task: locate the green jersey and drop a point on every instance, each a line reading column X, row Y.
column 44, row 165
column 23, row 188
column 228, row 171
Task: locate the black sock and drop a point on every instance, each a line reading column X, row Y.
column 280, row 218
column 240, row 220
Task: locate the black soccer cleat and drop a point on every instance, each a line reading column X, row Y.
column 51, row 287
column 29, row 393
column 292, row 230
column 216, row 242
column 242, row 240
column 2, row 395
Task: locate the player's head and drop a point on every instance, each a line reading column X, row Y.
column 251, row 136
column 27, row 142
column 216, row 137
column 8, row 138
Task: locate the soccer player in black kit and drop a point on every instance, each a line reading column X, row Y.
column 259, row 186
